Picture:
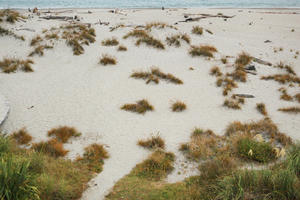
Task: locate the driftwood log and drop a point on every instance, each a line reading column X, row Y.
column 57, row 17
column 260, row 61
column 244, row 95
column 203, row 16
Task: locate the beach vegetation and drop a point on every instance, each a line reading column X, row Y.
column 9, row 65
column 108, row 60
column 292, row 109
column 197, row 30
column 22, row 137
column 178, row 106
column 215, row 71
column 10, row 16
column 261, row 108
column 140, row 107
column 206, row 51
column 110, row 42
column 122, row 48
column 175, row 40
column 158, row 25
column 152, row 143
column 63, row 133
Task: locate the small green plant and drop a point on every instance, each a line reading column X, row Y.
column 152, row 143
column 253, row 150
column 140, row 107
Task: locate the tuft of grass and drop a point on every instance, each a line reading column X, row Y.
column 261, row 108
column 39, row 50
column 4, row 32
column 22, row 137
column 36, row 40
column 52, row 147
column 155, row 75
column 174, row 40
column 122, row 48
column 243, row 59
column 136, row 34
column 232, row 103
column 156, row 167
column 294, row 110
column 202, row 145
column 286, row 67
column 158, row 25
column 224, row 60
column 110, row 42
column 10, row 16
column 63, row 133
column 150, row 41
column 206, row 51
column 108, row 60
column 254, row 150
column 178, row 106
column 215, row 71
column 297, row 97
column 197, row 30
column 152, row 143
column 93, row 157
column 11, row 65
column 284, row 95
column 282, row 78
column 52, row 36
column 141, row 107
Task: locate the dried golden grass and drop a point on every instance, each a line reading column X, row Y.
column 141, row 107
column 63, row 133
column 215, row 71
column 286, row 67
column 155, row 75
column 10, row 16
column 136, row 34
column 110, row 42
column 152, row 143
column 243, row 59
column 284, row 95
column 52, row 147
column 150, row 41
column 122, row 48
column 93, row 157
column 197, row 30
column 178, row 106
column 206, row 51
column 261, row 108
column 282, row 78
column 107, row 60
column 12, row 65
column 22, row 137
column 158, row 25
column 6, row 32
column 297, row 97
column 175, row 40
column 294, row 110
column 39, row 50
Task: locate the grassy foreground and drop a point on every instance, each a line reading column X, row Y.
column 28, row 174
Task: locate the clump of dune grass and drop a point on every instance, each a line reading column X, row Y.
column 50, row 36
column 12, row 65
column 122, row 48
column 178, row 106
column 284, row 95
column 150, row 41
column 254, row 150
column 52, row 147
column 206, row 51
column 286, row 67
column 22, row 137
column 224, row 60
column 93, row 157
column 156, row 167
column 197, row 30
column 261, row 108
column 155, row 75
column 10, row 16
column 293, row 109
column 110, row 42
column 6, row 32
column 234, row 102
column 152, row 143
column 201, row 146
column 243, row 59
column 36, row 40
column 63, row 133
column 264, row 127
column 141, row 107
column 39, row 50
column 108, row 60
column 136, row 33
column 228, row 85
column 215, row 71
column 175, row 40
column 282, row 78
column 158, row 25
column 27, row 174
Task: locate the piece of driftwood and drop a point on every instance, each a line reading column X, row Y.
column 25, row 29
column 202, row 16
column 57, row 17
column 260, row 61
column 250, row 72
column 56, row 12
column 102, row 23
column 244, row 95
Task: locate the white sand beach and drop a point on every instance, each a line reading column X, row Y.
column 77, row 91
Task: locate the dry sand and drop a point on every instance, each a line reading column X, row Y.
column 77, row 91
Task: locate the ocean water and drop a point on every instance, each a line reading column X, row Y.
column 147, row 3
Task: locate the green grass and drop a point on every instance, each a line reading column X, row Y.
column 27, row 174
column 253, row 150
